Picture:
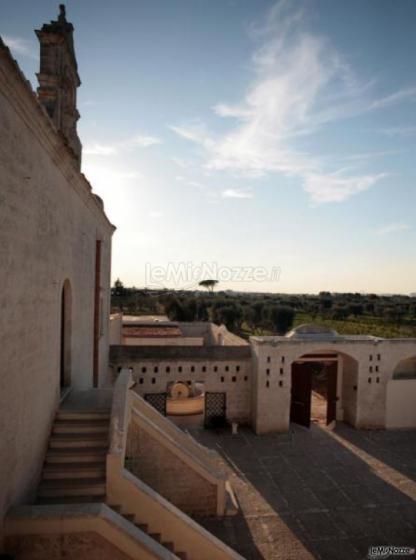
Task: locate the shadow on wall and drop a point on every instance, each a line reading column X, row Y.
column 308, row 494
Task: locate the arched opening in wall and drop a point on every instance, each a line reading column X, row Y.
column 324, row 389
column 65, row 338
column 185, row 404
column 405, row 369
column 401, row 395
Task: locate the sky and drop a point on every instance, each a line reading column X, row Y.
column 270, row 145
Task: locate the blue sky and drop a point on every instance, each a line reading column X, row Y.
column 247, row 133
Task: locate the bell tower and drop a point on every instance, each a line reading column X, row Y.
column 58, row 78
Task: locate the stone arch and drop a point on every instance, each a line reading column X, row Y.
column 405, row 369
column 401, row 395
column 65, row 334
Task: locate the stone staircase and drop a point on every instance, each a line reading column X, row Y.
column 74, row 470
column 155, row 536
column 75, row 464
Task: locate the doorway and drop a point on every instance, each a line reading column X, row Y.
column 65, row 338
column 314, row 392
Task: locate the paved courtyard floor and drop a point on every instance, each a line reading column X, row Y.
column 317, row 493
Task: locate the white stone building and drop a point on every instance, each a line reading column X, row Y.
column 369, row 382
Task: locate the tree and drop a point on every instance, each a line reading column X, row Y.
column 119, row 289
column 281, row 317
column 208, row 284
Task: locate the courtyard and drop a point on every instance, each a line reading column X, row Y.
column 316, row 493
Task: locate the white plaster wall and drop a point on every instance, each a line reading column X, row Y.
column 364, row 408
column 49, row 223
column 401, row 403
column 116, row 325
column 156, row 377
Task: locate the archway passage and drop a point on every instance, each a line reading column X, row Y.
column 314, row 392
column 65, row 339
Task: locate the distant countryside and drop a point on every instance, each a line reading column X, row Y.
column 247, row 313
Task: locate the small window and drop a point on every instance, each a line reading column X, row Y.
column 378, row 357
column 245, row 378
column 369, row 379
column 180, row 369
column 283, row 359
column 204, row 368
column 371, row 357
column 192, row 368
column 222, row 379
column 227, row 368
column 167, row 369
column 237, row 368
column 215, row 368
column 268, row 359
column 143, row 370
column 376, row 368
column 280, row 383
column 267, row 371
column 371, row 369
column 377, row 380
column 153, row 380
column 141, row 380
column 281, row 371
column 267, row 384
column 156, row 369
column 234, row 379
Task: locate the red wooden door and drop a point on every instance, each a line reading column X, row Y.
column 331, row 411
column 300, row 409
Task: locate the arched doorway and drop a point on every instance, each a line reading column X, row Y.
column 314, row 389
column 324, row 388
column 65, row 339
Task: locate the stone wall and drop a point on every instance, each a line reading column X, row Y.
column 49, row 224
column 221, row 369
column 168, row 475
column 73, row 546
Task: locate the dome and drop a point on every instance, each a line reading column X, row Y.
column 310, row 330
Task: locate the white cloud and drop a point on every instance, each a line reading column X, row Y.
column 139, row 141
column 403, row 130
column 301, row 84
column 95, row 149
column 237, row 193
column 335, row 188
column 393, row 228
column 21, row 46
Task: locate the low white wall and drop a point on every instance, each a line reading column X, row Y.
column 115, row 331
column 401, row 403
column 161, row 341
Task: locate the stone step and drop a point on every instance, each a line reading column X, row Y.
column 143, row 527
column 76, row 455
column 129, row 516
column 65, row 441
column 156, row 536
column 84, row 415
column 182, row 555
column 168, row 545
column 70, row 500
column 74, row 470
column 80, row 427
column 72, row 487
